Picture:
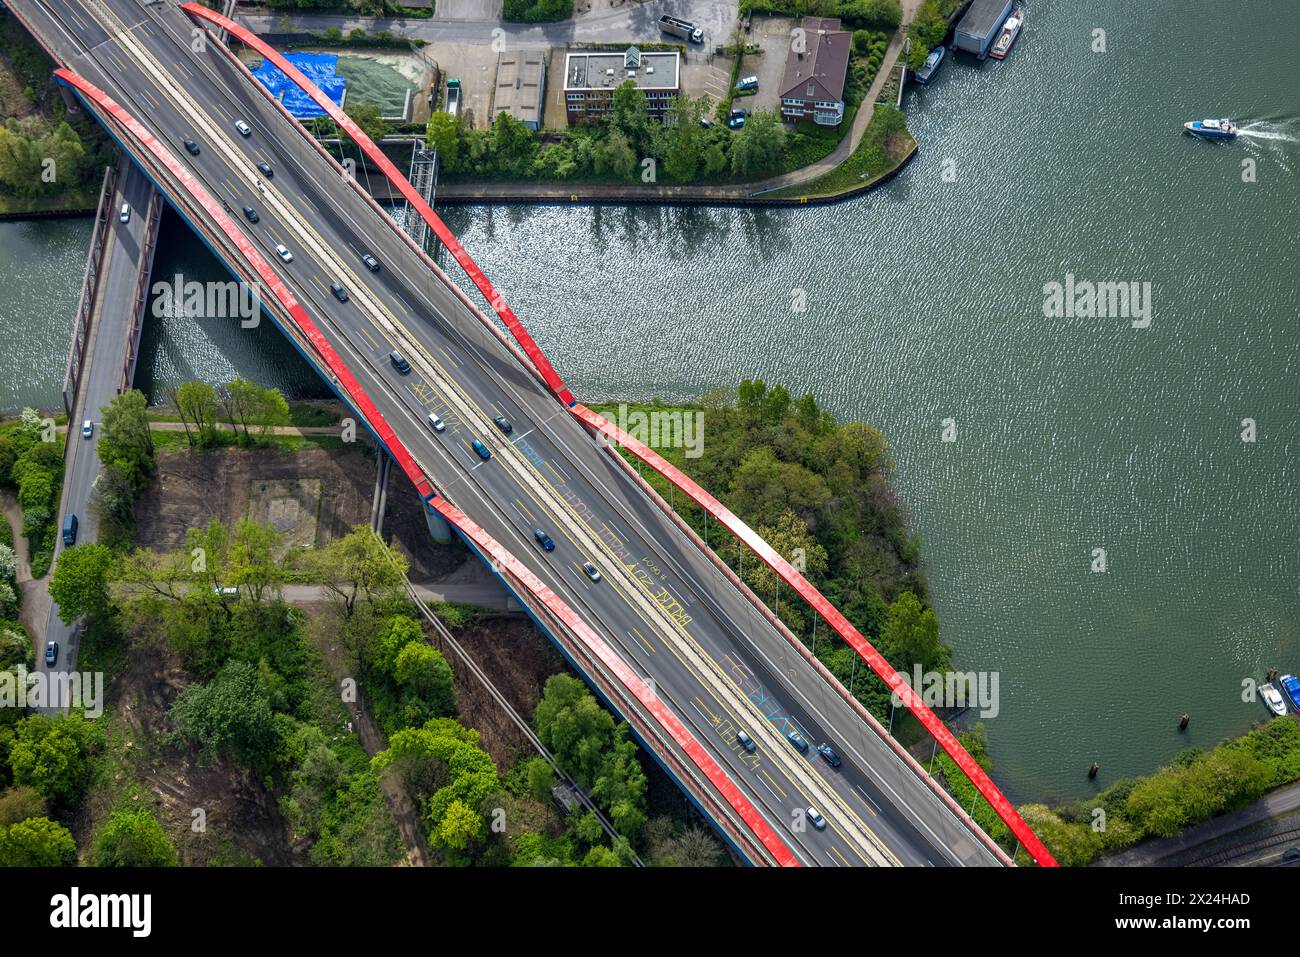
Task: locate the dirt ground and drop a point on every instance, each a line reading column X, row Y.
column 240, row 817
column 518, row 659
column 311, row 496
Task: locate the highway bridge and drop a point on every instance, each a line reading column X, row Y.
column 668, row 636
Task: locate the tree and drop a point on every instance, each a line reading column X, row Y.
column 615, row 157
column 125, row 442
column 229, row 715
column 251, row 559
column 759, row 147
column 443, row 134
column 36, row 842
column 601, row 856
column 425, row 671
column 628, row 115
column 134, row 839
column 80, row 581
column 358, row 565
column 18, row 804
column 368, row 117
column 540, row 779
column 911, row 635
column 514, row 146
column 686, row 140
column 197, row 403
column 53, row 754
column 574, row 726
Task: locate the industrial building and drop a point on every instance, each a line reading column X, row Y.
column 590, row 79
column 979, row 27
column 521, row 87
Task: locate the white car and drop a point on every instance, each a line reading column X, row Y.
column 125, row 215
column 591, row 571
column 436, row 423
column 815, row 818
column 283, row 253
column 243, row 128
column 87, row 429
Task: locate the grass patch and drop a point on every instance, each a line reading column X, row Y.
column 884, row 146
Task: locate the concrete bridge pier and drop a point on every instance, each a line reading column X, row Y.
column 438, row 527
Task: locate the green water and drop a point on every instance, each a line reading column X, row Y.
column 925, row 303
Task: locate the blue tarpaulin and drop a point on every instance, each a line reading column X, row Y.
column 320, row 68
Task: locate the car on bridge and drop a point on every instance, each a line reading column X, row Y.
column 125, row 216
column 340, row 293
column 746, row 742
column 591, row 571
column 399, row 362
column 192, row 147
column 265, row 170
column 436, row 423
column 283, row 252
column 827, row 752
column 815, row 818
column 251, row 214
column 798, row 740
column 371, row 262
column 483, row 451
column 243, row 128
column 547, row 543
column 503, row 424
column 51, row 653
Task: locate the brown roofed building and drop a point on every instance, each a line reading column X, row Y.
column 815, row 71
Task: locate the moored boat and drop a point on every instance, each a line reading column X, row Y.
column 1223, row 129
column 1272, row 698
column 1010, row 30
column 1291, row 686
column 931, row 65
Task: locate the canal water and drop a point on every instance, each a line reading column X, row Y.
column 925, row 303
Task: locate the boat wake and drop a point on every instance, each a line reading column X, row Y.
column 1267, row 131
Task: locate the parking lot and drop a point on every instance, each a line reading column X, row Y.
column 773, row 35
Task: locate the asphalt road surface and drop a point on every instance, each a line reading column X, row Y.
column 661, row 604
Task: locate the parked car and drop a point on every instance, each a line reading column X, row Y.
column 284, row 253
column 736, row 121
column 70, row 530
column 706, row 122
column 192, row 147
column 125, row 215
column 251, row 214
column 827, row 752
column 746, row 742
column 87, row 429
column 747, row 83
column 815, row 818
column 483, row 451
column 591, row 571
column 51, row 653
column 547, row 543
column 243, row 128
column 503, row 424
column 399, row 362
column 798, row 740
column 436, row 423
column 371, row 262
column 340, row 293
column 266, row 170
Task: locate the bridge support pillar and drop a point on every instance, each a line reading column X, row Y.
column 438, row 527
column 70, row 100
